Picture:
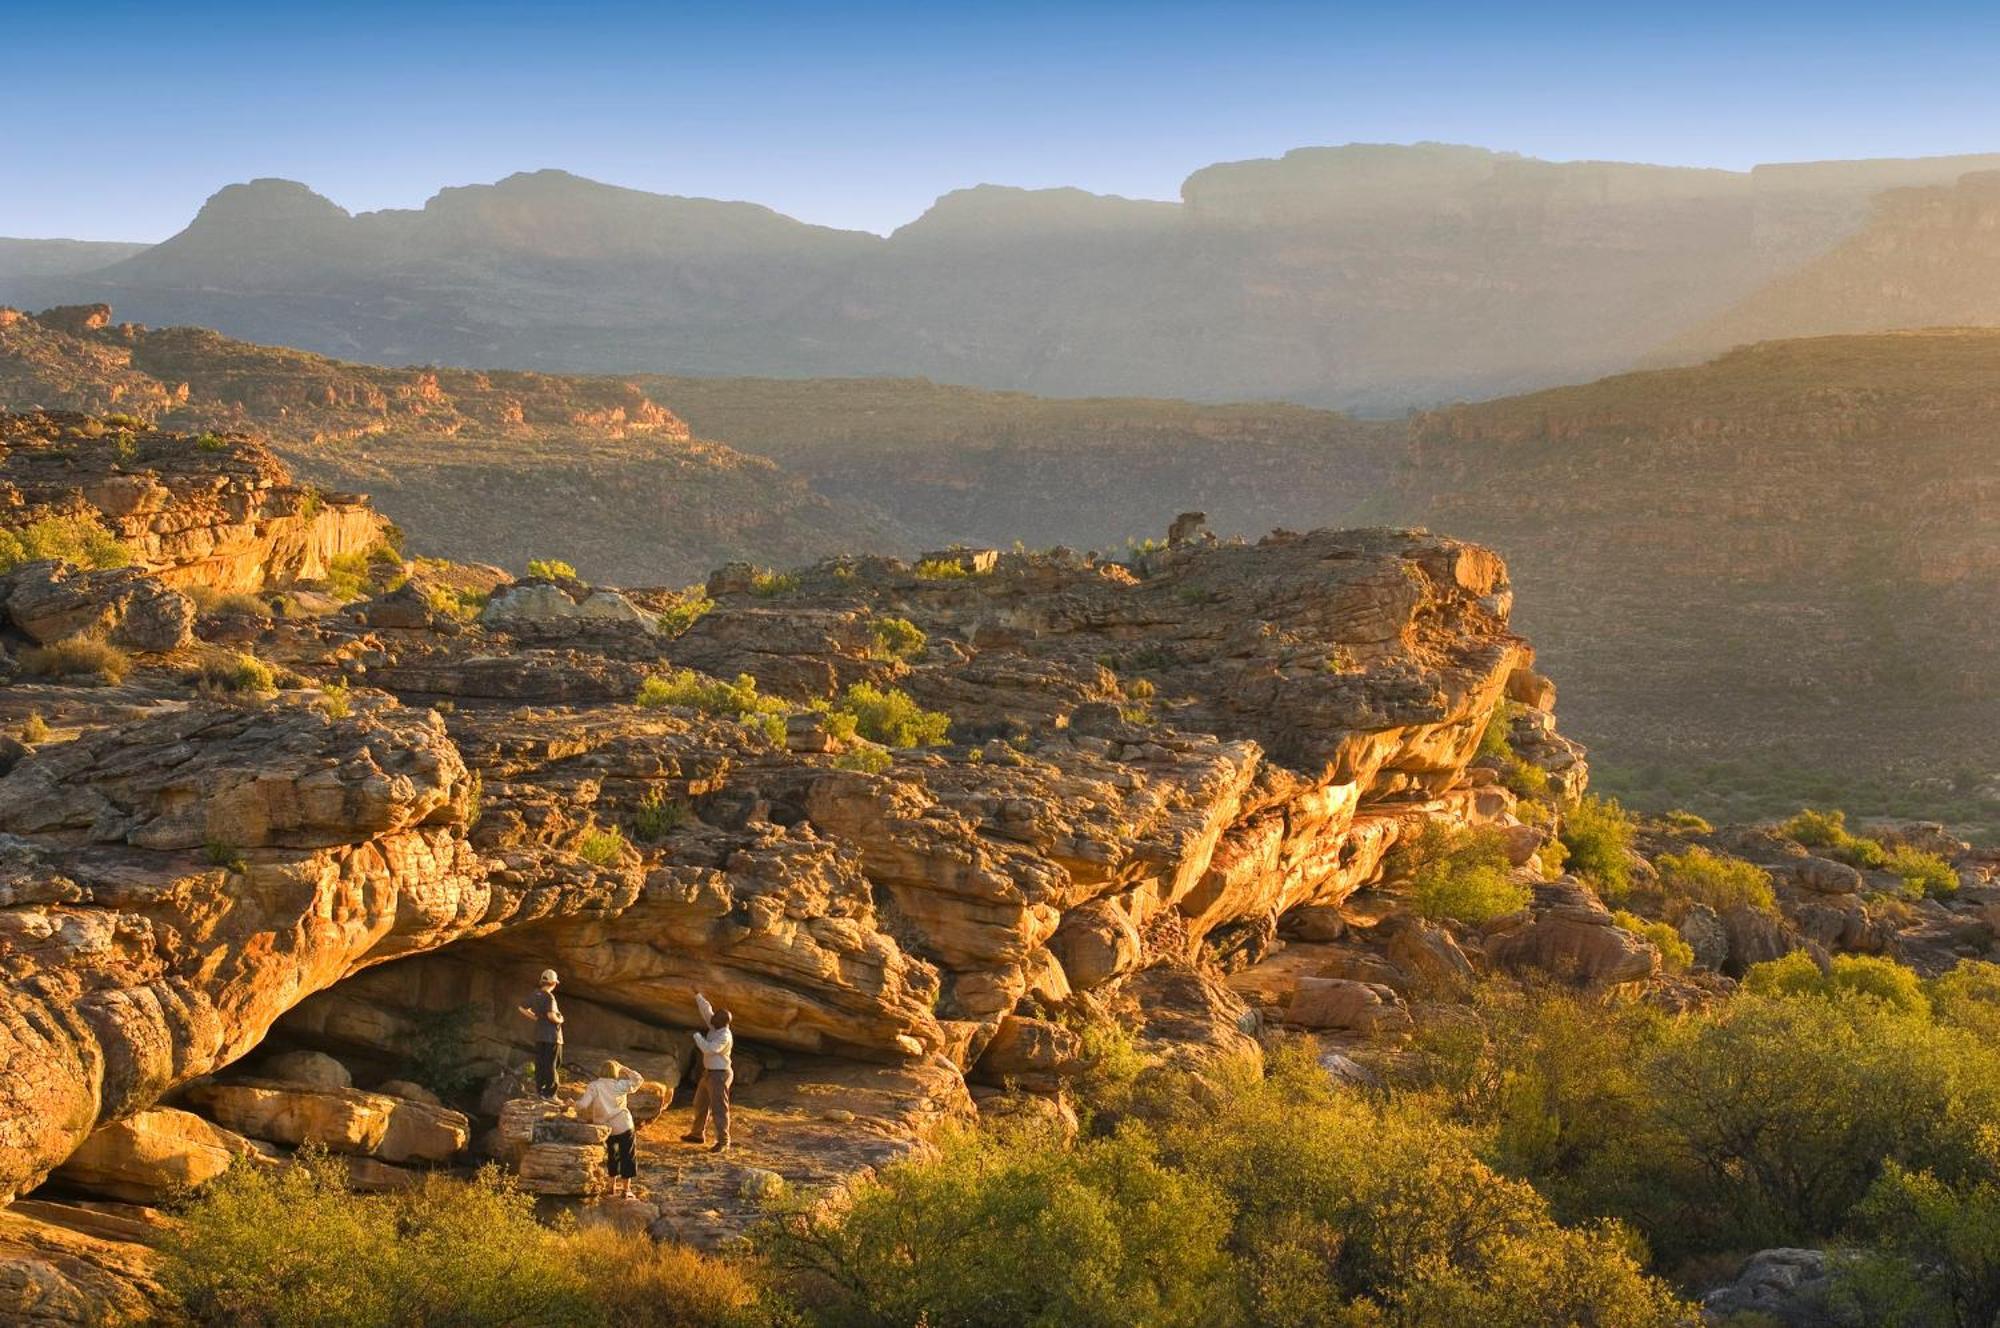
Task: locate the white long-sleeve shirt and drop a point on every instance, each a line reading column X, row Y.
column 716, row 1044
column 605, row 1102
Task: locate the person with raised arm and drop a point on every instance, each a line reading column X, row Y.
column 717, row 1044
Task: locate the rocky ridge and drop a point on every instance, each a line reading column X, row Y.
column 472, row 464
column 239, row 915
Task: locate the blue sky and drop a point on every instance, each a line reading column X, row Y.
column 126, row 116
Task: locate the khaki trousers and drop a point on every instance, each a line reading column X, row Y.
column 711, row 1097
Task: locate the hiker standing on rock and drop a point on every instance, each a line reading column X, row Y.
column 606, row 1103
column 717, row 1074
column 542, row 1008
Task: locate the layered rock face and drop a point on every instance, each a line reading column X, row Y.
column 223, row 513
column 1209, row 739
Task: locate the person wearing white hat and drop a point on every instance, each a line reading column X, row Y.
column 542, row 1008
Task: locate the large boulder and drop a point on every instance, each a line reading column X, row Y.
column 343, row 1120
column 53, row 601
column 1095, row 944
column 1344, row 1005
column 153, row 1155
column 1036, row 1054
column 1791, row 1287
column 1571, row 936
column 310, row 1069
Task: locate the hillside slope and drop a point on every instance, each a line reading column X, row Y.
column 1927, row 258
column 1789, row 556
column 480, row 466
column 1368, row 277
column 962, row 464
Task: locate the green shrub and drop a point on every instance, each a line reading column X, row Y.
column 438, row 1051
column 86, row 658
column 1464, row 876
column 891, row 718
column 711, row 696
column 1682, row 822
column 351, row 576
column 1598, row 834
column 1496, row 738
column 896, row 638
column 684, row 609
column 211, row 442
column 1676, row 955
column 866, row 759
column 601, row 845
column 658, row 816
column 34, row 729
column 460, row 604
column 243, row 672
column 221, row 854
column 334, row 701
column 1967, row 996
column 1935, row 1252
column 291, row 1248
column 1881, row 979
column 551, row 569
column 942, row 569
column 1828, row 832
column 768, row 584
column 1924, row 874
column 82, row 541
column 1701, row 877
column 996, row 1233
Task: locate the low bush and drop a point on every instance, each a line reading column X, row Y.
column 769, row 584
column 1701, row 877
column 334, row 701
column 869, row 760
column 1464, row 877
column 1598, row 834
column 601, row 845
column 1881, row 979
column 551, row 569
column 34, row 729
column 658, row 816
column 1828, row 832
column 291, row 1248
column 1683, row 822
column 242, row 672
column 711, row 696
column 80, row 658
column 896, row 638
column 682, row 611
column 1925, row 875
column 942, row 569
column 891, row 718
column 82, row 541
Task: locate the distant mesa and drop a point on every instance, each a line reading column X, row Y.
column 1368, row 277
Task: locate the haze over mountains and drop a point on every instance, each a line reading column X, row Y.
column 1369, row 277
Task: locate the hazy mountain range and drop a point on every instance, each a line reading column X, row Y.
column 1369, row 277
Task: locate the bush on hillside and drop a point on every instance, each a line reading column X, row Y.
column 896, row 638
column 1701, row 877
column 1676, row 955
column 551, row 569
column 1598, row 834
column 80, row 658
column 292, row 1248
column 1828, row 832
column 82, row 541
column 1463, row 876
column 1925, row 875
column 893, row 719
column 1881, row 979
column 711, row 696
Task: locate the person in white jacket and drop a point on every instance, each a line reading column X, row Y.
column 605, row 1102
column 717, row 1044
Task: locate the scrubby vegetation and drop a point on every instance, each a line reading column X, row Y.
column 890, row 717
column 82, row 541
column 601, row 845
column 1676, row 955
column 1701, row 877
column 942, row 569
column 712, row 696
column 293, row 1249
column 867, row 760
column 659, row 816
column 80, row 658
column 551, row 569
column 1462, row 876
column 769, row 584
column 1598, row 834
column 896, row 638
column 239, row 673
column 1828, row 832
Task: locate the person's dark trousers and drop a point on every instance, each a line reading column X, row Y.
column 546, row 1056
column 619, row 1158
